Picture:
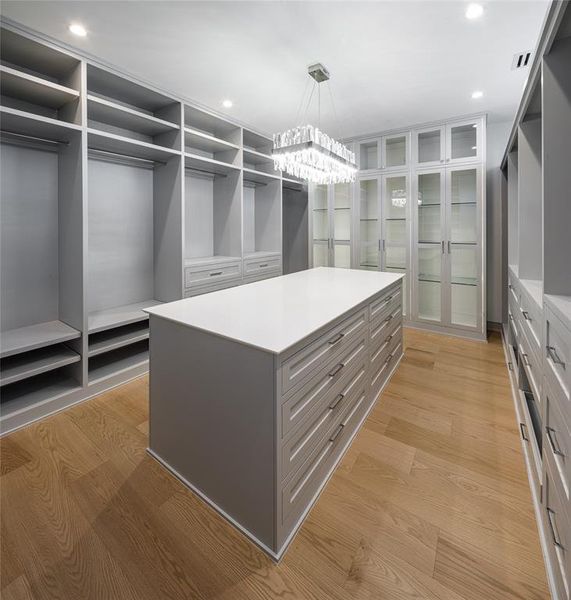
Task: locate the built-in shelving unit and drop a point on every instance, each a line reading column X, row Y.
column 537, row 315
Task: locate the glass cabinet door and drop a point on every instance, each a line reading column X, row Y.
column 342, row 225
column 463, row 245
column 395, row 206
column 369, row 224
column 395, row 151
column 464, row 141
column 321, row 226
column 369, row 155
column 430, row 190
column 429, row 146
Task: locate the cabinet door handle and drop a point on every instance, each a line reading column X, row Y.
column 335, row 402
column 337, row 432
column 523, row 429
column 337, row 338
column 526, row 315
column 215, row 273
column 442, row 242
column 263, row 265
column 553, row 441
column 336, row 369
column 510, row 286
column 448, row 246
column 384, row 245
column 552, row 353
column 550, row 518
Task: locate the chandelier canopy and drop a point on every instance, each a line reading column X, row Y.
column 309, row 154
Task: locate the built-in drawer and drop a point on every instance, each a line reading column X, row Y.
column 296, row 447
column 383, row 328
column 380, row 308
column 529, row 434
column 262, row 276
column 255, row 266
column 206, row 289
column 384, row 365
column 557, row 360
column 321, row 351
column 513, row 290
column 531, row 322
column 328, row 381
column 299, row 490
column 198, row 275
column 380, row 353
column 557, row 443
column 531, row 366
column 558, row 529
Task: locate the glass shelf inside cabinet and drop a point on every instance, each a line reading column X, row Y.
column 342, row 256
column 464, row 288
column 463, row 141
column 429, row 146
column 369, row 258
column 395, row 152
column 429, row 209
column 369, row 155
column 464, row 207
column 320, row 214
column 396, row 198
column 320, row 255
column 429, row 277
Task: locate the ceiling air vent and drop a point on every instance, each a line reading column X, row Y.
column 521, row 60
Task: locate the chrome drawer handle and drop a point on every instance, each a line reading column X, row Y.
column 526, row 360
column 215, row 273
column 510, row 366
column 511, row 317
column 335, row 339
column 388, row 318
column 390, row 357
column 526, row 315
column 556, row 541
column 552, row 353
column 510, row 286
column 335, row 402
column 337, row 432
column 264, row 265
column 553, row 441
column 523, row 430
column 336, row 370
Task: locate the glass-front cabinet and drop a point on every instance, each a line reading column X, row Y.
column 453, row 143
column 448, row 255
column 387, row 153
column 331, row 211
column 369, row 223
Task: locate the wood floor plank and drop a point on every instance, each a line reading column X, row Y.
column 431, row 502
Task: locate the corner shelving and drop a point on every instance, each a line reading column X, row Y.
column 33, row 337
column 117, row 316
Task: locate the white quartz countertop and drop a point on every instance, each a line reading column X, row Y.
column 275, row 314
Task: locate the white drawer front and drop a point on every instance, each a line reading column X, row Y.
column 327, row 381
column 297, row 447
column 255, row 267
column 513, row 290
column 380, row 308
column 381, row 353
column 557, row 353
column 557, row 443
column 384, row 364
column 531, row 322
column 206, row 289
column 211, row 275
column 532, row 367
column 383, row 328
column 317, row 353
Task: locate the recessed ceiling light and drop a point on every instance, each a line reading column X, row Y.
column 78, row 29
column 227, row 103
column 474, row 11
column 477, row 94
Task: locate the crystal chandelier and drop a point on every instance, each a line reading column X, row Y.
column 309, row 154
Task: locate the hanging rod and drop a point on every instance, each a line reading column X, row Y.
column 125, row 157
column 33, row 138
column 255, row 183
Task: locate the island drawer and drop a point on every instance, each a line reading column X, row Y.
column 256, row 266
column 557, row 357
column 556, row 519
column 329, row 380
column 296, row 447
column 383, row 328
column 198, row 275
column 381, row 372
column 298, row 492
column 379, row 354
column 380, row 308
column 557, row 444
column 295, row 369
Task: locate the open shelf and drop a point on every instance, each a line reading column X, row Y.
column 253, row 176
column 106, row 111
column 35, row 90
column 23, row 123
column 257, row 145
column 193, row 138
column 209, row 260
column 127, row 147
column 119, row 315
column 28, row 364
column 470, row 281
column 211, row 124
column 118, row 337
column 116, row 361
column 262, row 214
column 261, row 254
column 209, row 165
column 32, row 337
column 28, row 393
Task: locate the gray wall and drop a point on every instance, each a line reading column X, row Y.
column 497, row 137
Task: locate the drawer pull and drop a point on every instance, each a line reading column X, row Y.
column 264, row 265
column 511, row 317
column 523, row 431
column 550, row 517
column 553, row 441
column 336, row 369
column 552, row 353
column 336, row 339
column 510, row 286
column 215, row 273
column 335, row 402
column 525, row 359
column 510, row 366
column 526, row 315
column 337, row 432
column 388, row 318
column 389, row 358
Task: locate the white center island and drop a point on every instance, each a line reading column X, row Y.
column 257, row 391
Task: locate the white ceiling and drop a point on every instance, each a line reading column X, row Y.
column 392, row 63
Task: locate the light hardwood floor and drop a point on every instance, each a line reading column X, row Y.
column 430, row 502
